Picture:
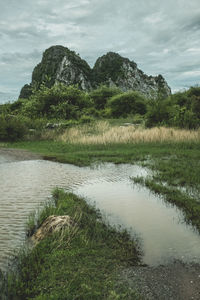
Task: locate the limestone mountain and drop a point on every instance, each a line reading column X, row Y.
column 59, row 64
column 114, row 70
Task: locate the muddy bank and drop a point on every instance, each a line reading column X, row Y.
column 177, row 281
column 11, row 155
column 29, row 183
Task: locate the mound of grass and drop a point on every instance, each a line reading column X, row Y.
column 79, row 263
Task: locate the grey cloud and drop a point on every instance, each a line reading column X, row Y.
column 160, row 36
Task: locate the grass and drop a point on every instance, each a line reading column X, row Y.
column 174, row 161
column 80, row 263
column 106, row 133
column 190, row 206
column 172, row 155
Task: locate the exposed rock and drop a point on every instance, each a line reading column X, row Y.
column 50, row 225
column 59, row 64
column 114, row 70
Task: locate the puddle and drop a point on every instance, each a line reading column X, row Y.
column 25, row 185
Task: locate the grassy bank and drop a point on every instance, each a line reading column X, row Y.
column 175, row 165
column 174, row 158
column 172, row 154
column 78, row 263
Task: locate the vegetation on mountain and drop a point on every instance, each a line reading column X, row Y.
column 46, row 71
column 109, row 66
column 59, row 64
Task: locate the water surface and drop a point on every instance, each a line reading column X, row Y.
column 25, row 185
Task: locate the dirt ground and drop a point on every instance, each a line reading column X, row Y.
column 177, row 281
column 9, row 154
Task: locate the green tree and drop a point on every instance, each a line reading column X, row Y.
column 131, row 102
column 101, row 95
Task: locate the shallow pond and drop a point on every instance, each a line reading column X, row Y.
column 25, row 185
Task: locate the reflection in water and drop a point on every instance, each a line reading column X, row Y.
column 160, row 225
column 25, row 185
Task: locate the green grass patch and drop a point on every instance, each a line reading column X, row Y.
column 80, row 263
column 176, row 164
column 189, row 205
column 117, row 153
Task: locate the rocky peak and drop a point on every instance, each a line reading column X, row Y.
column 114, row 70
column 59, row 64
column 109, row 67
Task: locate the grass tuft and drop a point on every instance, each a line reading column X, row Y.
column 102, row 132
column 80, row 263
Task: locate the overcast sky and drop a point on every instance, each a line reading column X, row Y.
column 162, row 37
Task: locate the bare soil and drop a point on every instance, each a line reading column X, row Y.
column 177, row 281
column 10, row 154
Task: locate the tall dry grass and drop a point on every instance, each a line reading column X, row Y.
column 102, row 133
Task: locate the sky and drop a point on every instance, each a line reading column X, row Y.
column 162, row 37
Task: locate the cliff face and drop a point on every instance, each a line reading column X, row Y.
column 114, row 70
column 59, row 64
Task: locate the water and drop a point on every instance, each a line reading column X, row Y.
column 25, row 185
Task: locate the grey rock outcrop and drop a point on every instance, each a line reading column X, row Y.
column 59, row 64
column 114, row 70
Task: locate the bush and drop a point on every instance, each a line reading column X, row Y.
column 86, row 119
column 59, row 101
column 158, row 113
column 11, row 129
column 127, row 103
column 101, row 95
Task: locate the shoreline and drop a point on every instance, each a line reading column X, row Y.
column 172, row 281
column 13, row 154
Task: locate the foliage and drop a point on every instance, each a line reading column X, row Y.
column 11, row 128
column 45, row 72
column 157, row 113
column 26, row 91
column 101, row 95
column 109, row 66
column 127, row 103
column 180, row 110
column 59, row 101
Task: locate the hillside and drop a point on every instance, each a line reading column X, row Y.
column 61, row 65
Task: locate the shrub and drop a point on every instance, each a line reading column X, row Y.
column 59, row 101
column 86, row 119
column 158, row 113
column 11, row 129
column 101, row 95
column 127, row 103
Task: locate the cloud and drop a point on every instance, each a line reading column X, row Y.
column 160, row 36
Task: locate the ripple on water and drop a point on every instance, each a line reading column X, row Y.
column 25, row 185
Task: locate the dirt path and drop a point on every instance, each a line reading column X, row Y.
column 10, row 155
column 176, row 281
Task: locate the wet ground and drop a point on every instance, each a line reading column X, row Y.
column 176, row 281
column 171, row 247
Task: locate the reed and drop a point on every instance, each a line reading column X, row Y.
column 103, row 133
